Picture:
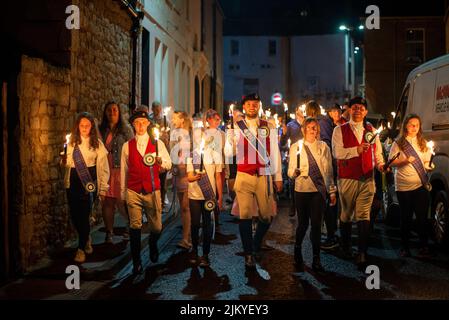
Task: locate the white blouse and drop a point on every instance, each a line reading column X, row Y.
column 212, row 165
column 92, row 157
column 406, row 178
column 322, row 155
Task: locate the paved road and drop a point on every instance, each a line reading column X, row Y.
column 275, row 278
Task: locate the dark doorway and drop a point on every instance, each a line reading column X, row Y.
column 197, row 95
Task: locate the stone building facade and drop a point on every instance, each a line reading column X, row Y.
column 89, row 67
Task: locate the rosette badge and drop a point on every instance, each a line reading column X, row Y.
column 264, row 131
column 90, row 187
column 149, row 159
column 209, row 205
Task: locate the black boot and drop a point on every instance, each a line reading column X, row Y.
column 245, row 228
column 346, row 245
column 134, row 237
column 364, row 231
column 152, row 245
column 316, row 264
column 261, row 230
column 299, row 262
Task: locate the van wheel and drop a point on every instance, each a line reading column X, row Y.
column 440, row 218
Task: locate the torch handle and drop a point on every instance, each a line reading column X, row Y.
column 389, row 162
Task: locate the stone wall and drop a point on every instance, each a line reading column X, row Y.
column 49, row 98
column 44, row 108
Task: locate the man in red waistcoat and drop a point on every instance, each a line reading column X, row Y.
column 254, row 175
column 140, row 185
column 358, row 151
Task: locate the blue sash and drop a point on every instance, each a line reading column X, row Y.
column 83, row 172
column 417, row 164
column 256, row 144
column 315, row 174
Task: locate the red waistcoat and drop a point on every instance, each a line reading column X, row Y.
column 360, row 167
column 139, row 175
column 243, row 161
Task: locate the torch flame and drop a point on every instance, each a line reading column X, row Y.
column 166, row 110
column 431, row 146
column 67, row 138
column 323, row 111
column 292, row 116
column 268, row 113
column 393, row 114
column 156, row 133
column 202, row 145
column 380, row 129
column 231, row 109
column 300, row 144
column 285, row 107
column 288, row 143
column 303, row 109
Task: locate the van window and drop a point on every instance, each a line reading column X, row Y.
column 401, row 111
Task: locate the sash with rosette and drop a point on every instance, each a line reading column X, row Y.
column 205, row 185
column 409, row 151
column 149, row 159
column 257, row 145
column 315, row 174
column 83, row 171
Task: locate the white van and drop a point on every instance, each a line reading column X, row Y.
column 426, row 93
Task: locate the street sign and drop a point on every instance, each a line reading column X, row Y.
column 276, row 99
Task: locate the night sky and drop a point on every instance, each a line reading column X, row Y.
column 284, row 17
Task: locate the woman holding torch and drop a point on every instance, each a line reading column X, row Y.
column 411, row 182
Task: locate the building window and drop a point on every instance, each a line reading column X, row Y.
column 250, row 86
column 414, row 46
column 234, row 48
column 272, row 48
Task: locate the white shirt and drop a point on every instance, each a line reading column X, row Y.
column 342, row 153
column 233, row 137
column 406, row 178
column 92, row 157
column 142, row 142
column 212, row 164
column 323, row 158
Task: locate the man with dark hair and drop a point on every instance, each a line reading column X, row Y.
column 142, row 158
column 358, row 151
column 258, row 164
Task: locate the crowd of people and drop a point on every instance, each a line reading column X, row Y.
column 330, row 158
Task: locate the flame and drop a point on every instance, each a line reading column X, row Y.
column 393, row 114
column 202, row 146
column 303, row 109
column 285, row 107
column 431, row 146
column 166, row 110
column 156, row 133
column 300, row 144
column 276, row 120
column 289, row 143
column 260, row 111
column 380, row 129
column 292, row 116
column 231, row 109
column 67, row 138
column 389, row 125
column 323, row 111
column 267, row 113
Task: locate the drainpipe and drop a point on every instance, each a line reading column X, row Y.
column 137, row 17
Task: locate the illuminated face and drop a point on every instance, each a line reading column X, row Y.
column 178, row 122
column 85, row 127
column 412, row 127
column 141, row 126
column 335, row 115
column 157, row 110
column 358, row 112
column 311, row 131
column 113, row 113
column 251, row 108
column 214, row 122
